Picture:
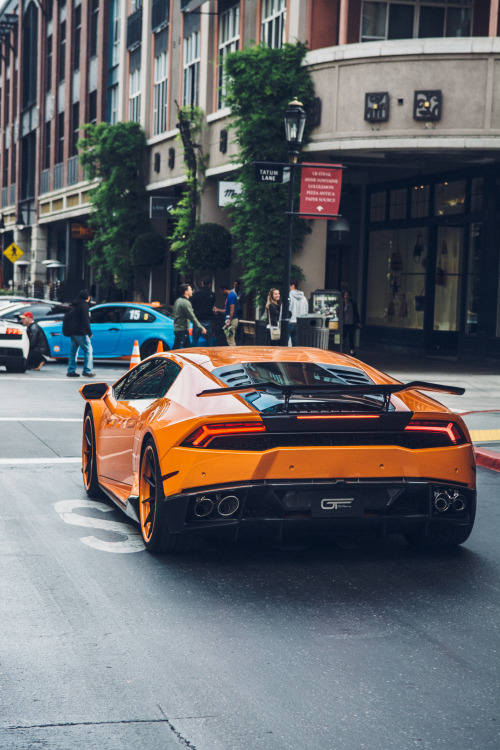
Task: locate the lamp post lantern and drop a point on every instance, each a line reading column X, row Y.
column 295, row 120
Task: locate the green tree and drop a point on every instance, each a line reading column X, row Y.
column 186, row 212
column 210, row 247
column 261, row 82
column 114, row 154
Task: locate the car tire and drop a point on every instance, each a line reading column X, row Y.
column 17, row 366
column 150, row 347
column 435, row 538
column 152, row 510
column 89, row 465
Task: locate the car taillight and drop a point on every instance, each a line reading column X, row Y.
column 451, row 429
column 202, row 436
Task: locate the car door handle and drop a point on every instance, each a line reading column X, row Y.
column 113, row 329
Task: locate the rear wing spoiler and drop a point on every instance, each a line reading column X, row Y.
column 386, row 391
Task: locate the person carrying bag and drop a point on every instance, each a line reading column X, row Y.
column 273, row 311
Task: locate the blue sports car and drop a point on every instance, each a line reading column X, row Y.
column 115, row 326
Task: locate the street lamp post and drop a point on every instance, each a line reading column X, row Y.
column 295, row 120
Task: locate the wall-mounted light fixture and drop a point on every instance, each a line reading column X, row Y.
column 223, row 141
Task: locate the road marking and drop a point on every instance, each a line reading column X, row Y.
column 487, row 436
column 56, row 460
column 41, row 419
column 133, row 539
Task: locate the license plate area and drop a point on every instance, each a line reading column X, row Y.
column 337, row 505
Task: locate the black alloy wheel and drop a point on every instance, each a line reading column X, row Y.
column 89, row 467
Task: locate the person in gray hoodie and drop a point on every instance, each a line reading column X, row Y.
column 298, row 305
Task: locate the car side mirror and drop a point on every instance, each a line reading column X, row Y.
column 94, row 391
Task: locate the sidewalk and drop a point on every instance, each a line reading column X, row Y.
column 479, row 406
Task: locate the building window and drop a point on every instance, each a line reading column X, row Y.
column 134, row 95
column 77, row 36
column 378, row 206
column 449, row 198
column 115, row 33
column 398, row 204
column 94, row 22
column 60, row 138
column 419, row 201
column 390, row 20
column 30, row 55
column 75, row 134
column 46, row 152
column 191, row 68
column 48, row 64
column 229, row 38
column 273, row 22
column 160, row 84
column 92, row 118
column 113, row 104
column 62, row 51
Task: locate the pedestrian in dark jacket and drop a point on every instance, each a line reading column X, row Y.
column 39, row 349
column 351, row 321
column 203, row 302
column 77, row 326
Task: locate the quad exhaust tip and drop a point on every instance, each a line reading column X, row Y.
column 225, row 507
column 448, row 499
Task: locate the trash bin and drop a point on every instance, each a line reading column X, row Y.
column 313, row 330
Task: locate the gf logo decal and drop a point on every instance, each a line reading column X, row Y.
column 342, row 503
column 132, row 541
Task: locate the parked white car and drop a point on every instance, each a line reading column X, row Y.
column 14, row 346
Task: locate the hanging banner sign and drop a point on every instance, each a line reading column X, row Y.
column 320, row 188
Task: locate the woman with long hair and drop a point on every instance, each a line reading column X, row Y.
column 273, row 314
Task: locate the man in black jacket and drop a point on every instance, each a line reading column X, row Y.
column 203, row 301
column 39, row 349
column 78, row 328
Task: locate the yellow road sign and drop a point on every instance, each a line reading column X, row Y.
column 13, row 252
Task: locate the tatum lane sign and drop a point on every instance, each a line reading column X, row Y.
column 269, row 172
column 320, row 188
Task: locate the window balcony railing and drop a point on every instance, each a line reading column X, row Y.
column 160, row 14
column 72, row 170
column 134, row 29
column 58, row 176
column 5, row 197
column 45, row 181
column 13, row 194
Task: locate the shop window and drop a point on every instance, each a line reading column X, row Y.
column 378, row 206
column 396, row 278
column 160, row 83
column 419, row 201
column 473, row 279
column 449, row 198
column 450, row 241
column 398, row 204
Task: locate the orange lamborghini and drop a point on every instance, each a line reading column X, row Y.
column 277, row 442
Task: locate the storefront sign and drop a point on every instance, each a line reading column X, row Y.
column 227, row 192
column 160, row 208
column 320, row 188
column 81, row 231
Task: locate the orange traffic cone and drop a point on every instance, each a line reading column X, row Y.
column 136, row 355
column 160, row 347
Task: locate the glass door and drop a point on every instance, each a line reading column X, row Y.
column 447, row 288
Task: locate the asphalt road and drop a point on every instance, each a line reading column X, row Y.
column 330, row 647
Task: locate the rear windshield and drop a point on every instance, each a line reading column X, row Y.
column 290, row 373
